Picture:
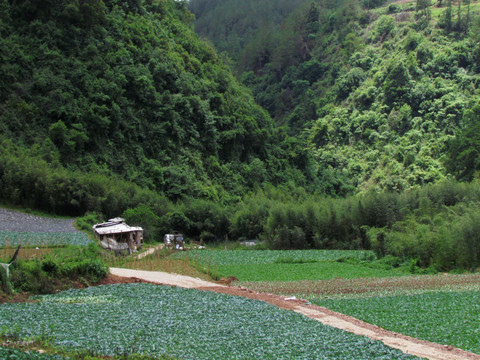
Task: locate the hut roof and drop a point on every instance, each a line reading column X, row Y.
column 114, row 226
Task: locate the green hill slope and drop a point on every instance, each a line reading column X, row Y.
column 378, row 93
column 126, row 88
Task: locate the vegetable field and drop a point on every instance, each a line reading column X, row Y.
column 188, row 324
column 42, row 239
column 288, row 265
column 450, row 318
column 247, row 257
column 368, row 287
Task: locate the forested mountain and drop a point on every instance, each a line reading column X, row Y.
column 115, row 107
column 126, row 89
column 384, row 95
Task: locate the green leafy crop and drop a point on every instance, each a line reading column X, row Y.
column 185, row 323
column 449, row 318
column 10, row 238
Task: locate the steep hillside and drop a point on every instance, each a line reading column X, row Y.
column 125, row 88
column 383, row 95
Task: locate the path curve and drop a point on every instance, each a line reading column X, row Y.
column 407, row 344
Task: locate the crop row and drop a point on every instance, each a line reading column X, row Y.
column 247, row 257
column 448, row 317
column 289, row 265
column 368, row 286
column 185, row 323
column 304, row 271
column 12, row 239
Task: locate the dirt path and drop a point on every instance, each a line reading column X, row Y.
column 163, row 278
column 149, row 251
column 409, row 345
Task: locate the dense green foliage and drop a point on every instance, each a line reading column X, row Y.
column 14, row 354
column 57, row 270
column 187, row 323
column 384, row 97
column 360, row 222
column 449, row 318
column 126, row 88
column 10, row 354
column 117, row 108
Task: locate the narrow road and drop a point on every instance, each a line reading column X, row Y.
column 163, row 278
column 408, row 345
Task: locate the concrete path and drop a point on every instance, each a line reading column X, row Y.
column 164, row 278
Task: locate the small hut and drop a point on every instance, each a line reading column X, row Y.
column 116, row 235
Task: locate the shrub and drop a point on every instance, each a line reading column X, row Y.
column 349, row 82
column 385, row 25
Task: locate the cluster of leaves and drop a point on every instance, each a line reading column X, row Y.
column 385, row 98
column 10, row 354
column 57, row 270
column 13, row 239
column 127, row 88
column 448, row 318
column 206, row 327
column 15, row 354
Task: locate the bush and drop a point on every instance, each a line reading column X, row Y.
column 349, row 82
column 451, row 241
column 385, row 25
column 58, row 269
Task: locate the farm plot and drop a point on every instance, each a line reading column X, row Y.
column 42, row 239
column 188, row 324
column 450, row 318
column 287, row 265
column 368, row 287
column 247, row 257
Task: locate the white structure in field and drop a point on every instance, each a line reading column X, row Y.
column 116, row 235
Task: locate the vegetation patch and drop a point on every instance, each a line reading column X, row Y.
column 43, row 239
column 189, row 324
column 248, row 257
column 367, row 287
column 289, row 265
column 14, row 354
column 449, row 318
column 306, row 271
column 58, row 269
